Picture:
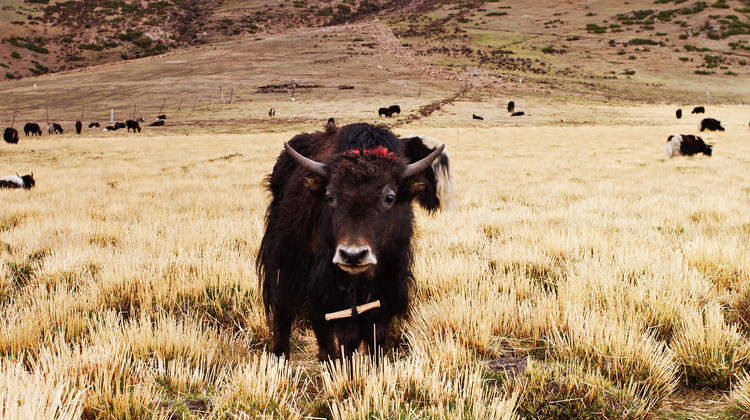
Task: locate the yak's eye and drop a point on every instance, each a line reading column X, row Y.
column 329, row 198
column 390, row 198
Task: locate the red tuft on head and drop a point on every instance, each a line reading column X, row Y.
column 378, row 151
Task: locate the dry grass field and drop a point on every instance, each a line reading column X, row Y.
column 583, row 276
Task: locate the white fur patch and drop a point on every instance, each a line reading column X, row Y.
column 13, row 179
column 672, row 148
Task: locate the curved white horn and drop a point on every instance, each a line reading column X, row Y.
column 307, row 163
column 419, row 166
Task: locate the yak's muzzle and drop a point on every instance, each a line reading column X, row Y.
column 354, row 259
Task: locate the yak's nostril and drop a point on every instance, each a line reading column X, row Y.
column 353, row 257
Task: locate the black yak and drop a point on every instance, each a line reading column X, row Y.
column 133, row 125
column 93, row 124
column 157, row 123
column 698, row 110
column 338, row 235
column 10, row 135
column 32, row 129
column 711, row 124
column 384, row 111
column 678, row 114
column 15, row 181
column 394, row 109
column 161, row 117
column 476, row 117
column 517, row 114
column 685, row 145
column 511, row 106
column 79, row 126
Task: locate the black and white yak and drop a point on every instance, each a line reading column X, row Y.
column 54, row 128
column 15, row 181
column 686, row 145
column 440, row 191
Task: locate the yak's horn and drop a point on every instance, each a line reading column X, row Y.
column 307, row 163
column 419, row 166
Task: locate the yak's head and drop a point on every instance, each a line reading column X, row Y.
column 28, row 180
column 367, row 193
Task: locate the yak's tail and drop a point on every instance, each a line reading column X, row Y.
column 441, row 181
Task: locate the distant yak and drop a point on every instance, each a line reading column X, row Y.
column 711, row 124
column 161, row 117
column 394, row 109
column 517, row 114
column 93, row 124
column 133, row 125
column 157, row 123
column 384, row 111
column 15, row 181
column 698, row 110
column 10, row 135
column 79, row 126
column 54, row 128
column 511, row 106
column 678, row 114
column 685, row 145
column 32, row 129
column 272, row 112
column 476, row 117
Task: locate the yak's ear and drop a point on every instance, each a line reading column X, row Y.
column 316, row 184
column 411, row 187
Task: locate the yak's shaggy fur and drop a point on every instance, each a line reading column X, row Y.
column 307, row 217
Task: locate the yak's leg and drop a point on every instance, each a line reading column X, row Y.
column 324, row 334
column 281, row 325
column 349, row 337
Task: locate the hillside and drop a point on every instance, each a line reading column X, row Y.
column 654, row 50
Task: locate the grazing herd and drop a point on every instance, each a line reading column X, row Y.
column 689, row 144
column 33, row 129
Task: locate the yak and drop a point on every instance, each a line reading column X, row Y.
column 272, row 112
column 439, row 192
column 133, row 125
column 686, row 145
column 79, row 127
column 384, row 111
column 477, row 117
column 93, row 124
column 33, row 129
column 517, row 114
column 511, row 106
column 394, row 109
column 15, row 181
column 678, row 113
column 711, row 124
column 157, row 123
column 54, row 128
column 698, row 110
column 10, row 135
column 338, row 234
column 161, row 117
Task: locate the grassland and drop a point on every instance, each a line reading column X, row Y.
column 582, row 275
